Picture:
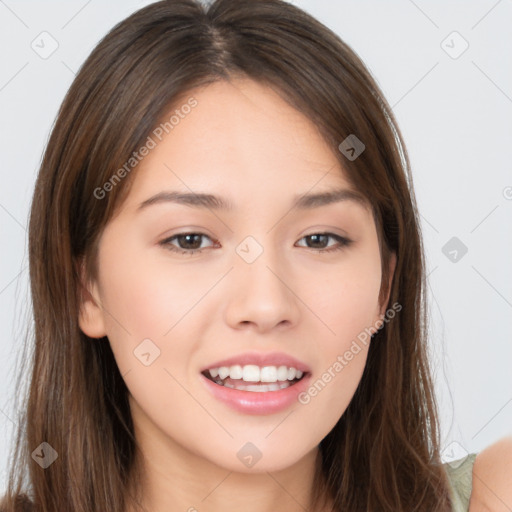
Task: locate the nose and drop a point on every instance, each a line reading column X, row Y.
column 261, row 295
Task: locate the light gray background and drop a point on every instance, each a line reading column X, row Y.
column 456, row 118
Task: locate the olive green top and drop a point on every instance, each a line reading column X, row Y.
column 460, row 474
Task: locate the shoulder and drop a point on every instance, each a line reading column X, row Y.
column 492, row 478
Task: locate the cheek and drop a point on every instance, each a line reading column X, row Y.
column 147, row 297
column 345, row 298
column 349, row 313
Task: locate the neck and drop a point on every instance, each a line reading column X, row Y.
column 171, row 479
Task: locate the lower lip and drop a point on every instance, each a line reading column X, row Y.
column 254, row 402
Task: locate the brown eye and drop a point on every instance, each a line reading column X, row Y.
column 188, row 243
column 319, row 241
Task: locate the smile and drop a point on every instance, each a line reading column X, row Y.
column 251, row 389
column 254, row 378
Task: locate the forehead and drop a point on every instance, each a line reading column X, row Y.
column 240, row 139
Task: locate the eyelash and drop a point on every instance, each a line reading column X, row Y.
column 342, row 243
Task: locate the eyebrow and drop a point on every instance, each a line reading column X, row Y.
column 210, row 201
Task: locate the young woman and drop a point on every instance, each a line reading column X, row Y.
column 228, row 283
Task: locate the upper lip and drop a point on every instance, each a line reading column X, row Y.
column 260, row 359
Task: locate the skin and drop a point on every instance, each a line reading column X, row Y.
column 492, row 478
column 242, row 142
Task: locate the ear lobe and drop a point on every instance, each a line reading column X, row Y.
column 90, row 317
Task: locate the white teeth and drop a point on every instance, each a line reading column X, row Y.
column 257, row 388
column 235, row 372
column 268, row 374
column 223, row 372
column 253, row 373
column 282, row 373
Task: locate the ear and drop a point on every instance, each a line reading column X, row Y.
column 90, row 317
column 392, row 266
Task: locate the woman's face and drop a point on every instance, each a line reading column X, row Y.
column 266, row 283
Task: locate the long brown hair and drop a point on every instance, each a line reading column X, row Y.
column 383, row 454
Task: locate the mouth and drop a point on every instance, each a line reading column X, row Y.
column 255, row 379
column 254, row 389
